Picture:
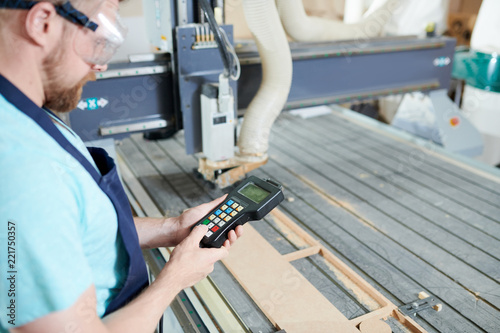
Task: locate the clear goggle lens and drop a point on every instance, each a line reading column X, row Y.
column 98, row 47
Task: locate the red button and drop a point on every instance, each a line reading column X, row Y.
column 214, row 229
column 455, row 121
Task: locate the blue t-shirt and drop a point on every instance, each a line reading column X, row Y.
column 62, row 228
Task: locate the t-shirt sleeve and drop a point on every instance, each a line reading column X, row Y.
column 40, row 203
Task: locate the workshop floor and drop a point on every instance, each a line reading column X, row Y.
column 404, row 218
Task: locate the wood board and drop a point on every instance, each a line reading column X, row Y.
column 283, row 294
column 289, row 300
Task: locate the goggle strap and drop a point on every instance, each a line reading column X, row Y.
column 67, row 11
column 17, row 4
column 71, row 14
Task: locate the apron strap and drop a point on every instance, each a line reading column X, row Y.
column 23, row 103
column 108, row 182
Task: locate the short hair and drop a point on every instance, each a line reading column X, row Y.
column 4, row 12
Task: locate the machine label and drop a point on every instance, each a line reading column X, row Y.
column 220, row 120
column 442, row 61
column 92, row 103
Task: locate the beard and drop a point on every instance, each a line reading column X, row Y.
column 58, row 96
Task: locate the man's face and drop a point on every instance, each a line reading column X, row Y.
column 65, row 71
column 63, row 88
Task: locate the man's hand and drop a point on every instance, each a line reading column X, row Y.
column 193, row 215
column 189, row 263
column 166, row 232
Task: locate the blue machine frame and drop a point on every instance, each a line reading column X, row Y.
column 339, row 72
column 196, row 67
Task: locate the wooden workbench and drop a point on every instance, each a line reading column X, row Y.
column 406, row 218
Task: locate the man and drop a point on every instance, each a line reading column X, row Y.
column 73, row 261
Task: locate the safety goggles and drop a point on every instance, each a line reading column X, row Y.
column 102, row 31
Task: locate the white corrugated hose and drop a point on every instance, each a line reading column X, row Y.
column 304, row 28
column 264, row 23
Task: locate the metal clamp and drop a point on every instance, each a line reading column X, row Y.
column 423, row 303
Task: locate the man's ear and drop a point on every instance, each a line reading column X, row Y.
column 42, row 24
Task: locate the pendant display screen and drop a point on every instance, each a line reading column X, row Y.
column 254, row 193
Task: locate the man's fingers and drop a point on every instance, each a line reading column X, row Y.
column 231, row 236
column 197, row 234
column 239, row 231
column 217, row 201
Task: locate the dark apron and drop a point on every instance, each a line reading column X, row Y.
column 108, row 182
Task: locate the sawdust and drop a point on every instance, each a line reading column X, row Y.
column 289, row 234
column 339, row 203
column 344, row 204
column 347, row 206
column 360, row 295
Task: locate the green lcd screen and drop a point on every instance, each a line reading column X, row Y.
column 254, row 193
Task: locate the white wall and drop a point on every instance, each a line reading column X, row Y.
column 137, row 38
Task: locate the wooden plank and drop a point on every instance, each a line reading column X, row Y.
column 275, row 237
column 240, row 301
column 441, row 170
column 151, row 180
column 399, row 272
column 370, row 322
column 135, row 159
column 324, row 280
column 367, row 322
column 328, row 280
column 422, row 188
column 400, row 223
column 472, row 196
column 147, row 205
column 391, row 184
column 287, row 298
column 302, row 253
column 415, row 163
column 464, row 279
column 325, row 253
column 397, row 327
column 180, row 182
column 219, row 309
column 459, row 169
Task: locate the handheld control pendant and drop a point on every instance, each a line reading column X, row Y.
column 253, row 199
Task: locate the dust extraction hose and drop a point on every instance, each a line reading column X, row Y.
column 304, row 28
column 264, row 23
